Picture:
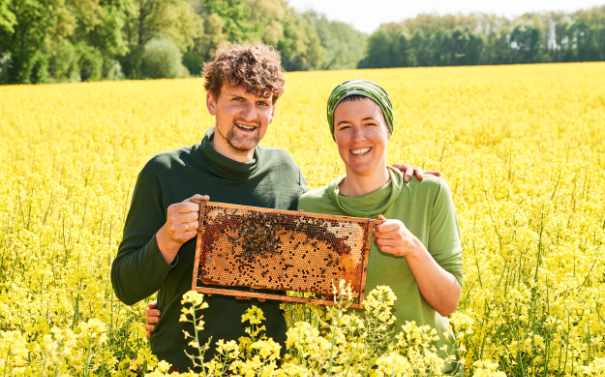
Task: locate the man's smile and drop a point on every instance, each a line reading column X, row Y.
column 246, row 127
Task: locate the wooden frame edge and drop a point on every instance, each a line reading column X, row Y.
column 270, row 296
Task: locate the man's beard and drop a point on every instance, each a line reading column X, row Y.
column 242, row 143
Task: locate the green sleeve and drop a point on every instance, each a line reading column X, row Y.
column 302, row 182
column 302, row 188
column 444, row 239
column 139, row 268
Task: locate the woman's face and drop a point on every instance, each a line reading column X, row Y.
column 361, row 135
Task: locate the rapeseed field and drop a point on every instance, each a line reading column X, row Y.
column 522, row 148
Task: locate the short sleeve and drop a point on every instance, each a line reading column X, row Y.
column 444, row 236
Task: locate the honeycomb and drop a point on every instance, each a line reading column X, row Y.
column 242, row 249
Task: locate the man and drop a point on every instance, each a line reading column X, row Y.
column 243, row 84
column 157, row 251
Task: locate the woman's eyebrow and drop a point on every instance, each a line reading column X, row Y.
column 363, row 120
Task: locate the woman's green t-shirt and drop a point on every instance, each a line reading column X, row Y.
column 427, row 210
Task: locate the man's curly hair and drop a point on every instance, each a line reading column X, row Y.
column 255, row 67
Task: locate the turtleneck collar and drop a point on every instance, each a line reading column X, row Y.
column 371, row 204
column 223, row 166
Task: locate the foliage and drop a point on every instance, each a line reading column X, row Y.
column 161, row 58
column 522, row 148
column 71, row 40
column 430, row 40
column 90, row 40
column 343, row 344
column 64, row 63
column 342, row 45
column 91, row 64
column 7, row 18
column 300, row 48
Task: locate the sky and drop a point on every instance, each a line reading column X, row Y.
column 367, row 15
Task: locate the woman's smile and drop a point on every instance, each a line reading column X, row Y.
column 361, row 151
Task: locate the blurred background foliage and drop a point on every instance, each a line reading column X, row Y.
column 85, row 40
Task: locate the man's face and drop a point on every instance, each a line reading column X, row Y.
column 242, row 119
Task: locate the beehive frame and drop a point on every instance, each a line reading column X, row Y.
column 242, row 248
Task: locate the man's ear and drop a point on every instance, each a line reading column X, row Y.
column 273, row 110
column 211, row 103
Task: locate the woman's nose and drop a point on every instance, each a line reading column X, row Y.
column 358, row 133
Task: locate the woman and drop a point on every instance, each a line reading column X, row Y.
column 417, row 247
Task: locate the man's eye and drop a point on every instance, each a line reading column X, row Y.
column 263, row 104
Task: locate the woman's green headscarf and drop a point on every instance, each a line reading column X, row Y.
column 364, row 88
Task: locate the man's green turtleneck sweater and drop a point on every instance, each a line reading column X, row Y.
column 270, row 180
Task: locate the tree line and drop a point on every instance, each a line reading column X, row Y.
column 80, row 40
column 73, row 40
column 429, row 40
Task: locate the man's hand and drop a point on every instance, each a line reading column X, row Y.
column 180, row 226
column 152, row 317
column 410, row 171
column 393, row 237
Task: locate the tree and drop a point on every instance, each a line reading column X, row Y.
column 161, row 59
column 525, row 44
column 379, row 48
column 7, row 17
column 300, row 48
column 464, row 47
column 148, row 19
column 583, row 39
column 25, row 38
column 266, row 18
column 587, row 32
column 232, row 21
column 69, row 40
column 342, row 45
column 388, row 47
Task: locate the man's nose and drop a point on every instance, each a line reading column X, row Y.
column 249, row 112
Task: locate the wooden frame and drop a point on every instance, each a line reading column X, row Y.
column 342, row 241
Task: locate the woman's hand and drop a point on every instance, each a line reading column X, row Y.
column 438, row 287
column 393, row 237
